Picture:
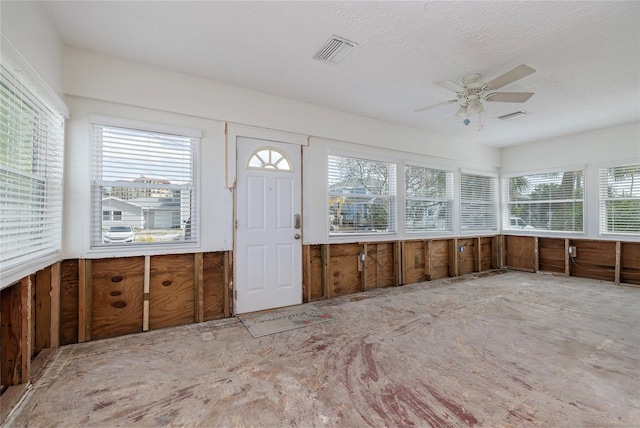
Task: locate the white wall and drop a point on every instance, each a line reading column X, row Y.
column 215, row 204
column 105, row 85
column 590, row 150
column 28, row 28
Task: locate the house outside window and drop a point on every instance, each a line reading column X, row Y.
column 552, row 201
column 478, row 202
column 144, row 180
column 362, row 196
column 620, row 200
column 428, row 199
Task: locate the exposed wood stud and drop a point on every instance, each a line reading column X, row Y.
column 363, row 273
column 325, row 254
column 567, row 265
column 618, row 257
column 536, row 255
column 227, row 284
column 306, row 295
column 147, row 294
column 502, row 249
column 478, row 255
column 25, row 336
column 54, row 331
column 427, row 259
column 455, row 258
column 198, row 279
column 397, row 264
column 85, row 288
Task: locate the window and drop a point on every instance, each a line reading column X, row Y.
column 31, row 164
column 429, row 199
column 361, row 196
column 620, row 199
column 478, row 202
column 144, row 181
column 548, row 201
column 268, row 158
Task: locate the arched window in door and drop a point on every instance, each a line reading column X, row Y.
column 269, row 158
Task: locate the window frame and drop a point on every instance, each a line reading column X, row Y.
column 193, row 239
column 507, row 203
column 451, row 199
column 494, row 205
column 392, row 197
column 603, row 220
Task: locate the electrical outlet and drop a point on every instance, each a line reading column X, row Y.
column 572, row 251
column 460, row 249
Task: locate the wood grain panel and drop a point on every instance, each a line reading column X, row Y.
column 551, row 254
column 42, row 312
column 344, row 276
column 519, row 252
column 118, row 289
column 315, row 275
column 594, row 259
column 11, row 330
column 171, row 290
column 630, row 263
column 213, row 286
column 467, row 258
column 380, row 265
column 440, row 258
column 69, row 281
column 488, row 253
column 414, row 262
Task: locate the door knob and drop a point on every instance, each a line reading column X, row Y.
column 297, row 236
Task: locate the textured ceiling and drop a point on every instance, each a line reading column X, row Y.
column 587, row 55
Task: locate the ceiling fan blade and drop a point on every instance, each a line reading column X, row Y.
column 509, row 97
column 510, row 76
column 434, row 106
column 452, row 86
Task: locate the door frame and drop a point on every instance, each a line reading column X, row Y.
column 232, row 133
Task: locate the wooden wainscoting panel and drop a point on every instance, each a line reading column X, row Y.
column 344, row 275
column 551, row 254
column 214, row 285
column 69, row 281
column 118, row 294
column 171, row 290
column 440, row 253
column 380, row 265
column 42, row 311
column 520, row 252
column 594, row 259
column 414, row 262
column 467, row 258
column 630, row 263
column 11, row 330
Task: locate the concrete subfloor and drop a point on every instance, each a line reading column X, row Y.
column 494, row 349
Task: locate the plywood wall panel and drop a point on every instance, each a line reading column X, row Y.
column 488, row 253
column 214, row 285
column 344, row 274
column 11, row 319
column 594, row 259
column 380, row 265
column 466, row 258
column 171, row 290
column 440, row 253
column 630, row 263
column 42, row 311
column 551, row 254
column 520, row 252
column 314, row 276
column 414, row 262
column 69, row 302
column 117, row 296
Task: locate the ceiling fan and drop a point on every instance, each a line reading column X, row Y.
column 474, row 91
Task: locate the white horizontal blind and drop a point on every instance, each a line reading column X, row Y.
column 362, row 195
column 146, row 180
column 31, row 165
column 428, row 199
column 620, row 199
column 478, row 202
column 549, row 201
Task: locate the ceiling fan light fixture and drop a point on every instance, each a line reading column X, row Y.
column 475, row 106
column 462, row 111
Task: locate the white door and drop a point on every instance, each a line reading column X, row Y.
column 268, row 252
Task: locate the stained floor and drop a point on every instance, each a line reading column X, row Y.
column 496, row 350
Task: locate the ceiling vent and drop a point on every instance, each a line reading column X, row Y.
column 335, row 50
column 513, row 115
